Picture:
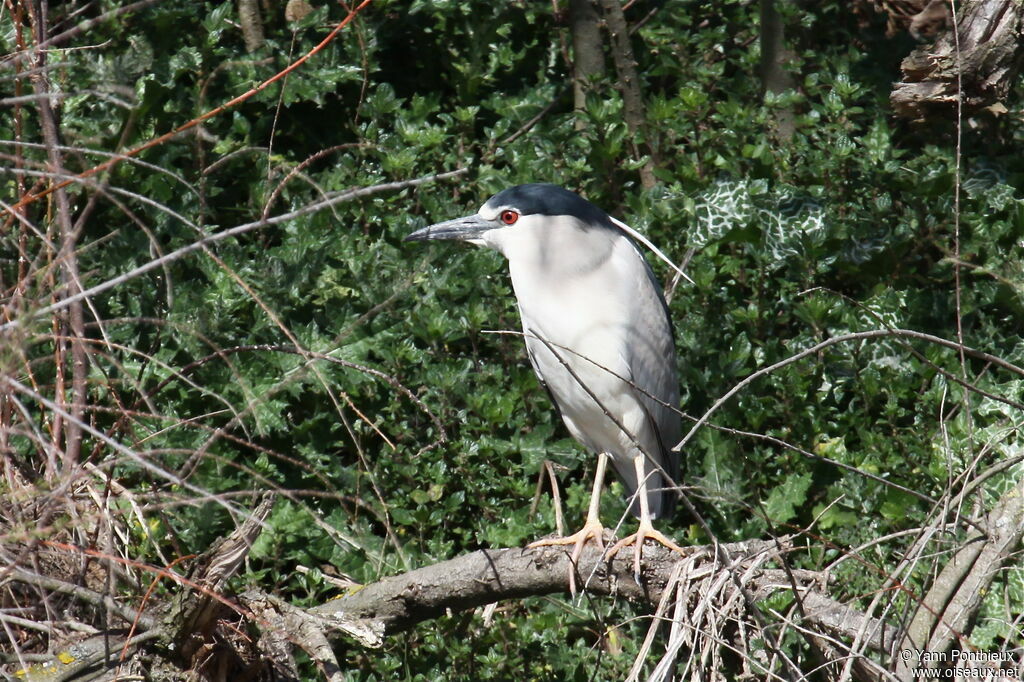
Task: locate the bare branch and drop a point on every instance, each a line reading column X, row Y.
column 634, row 110
column 79, row 592
column 956, row 594
column 486, row 576
column 177, row 254
column 843, row 338
column 989, row 55
column 252, row 24
column 196, row 611
column 80, row 27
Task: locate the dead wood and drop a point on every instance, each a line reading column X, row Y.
column 975, row 61
column 956, row 594
column 714, row 594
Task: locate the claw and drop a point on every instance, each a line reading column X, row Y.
column 592, row 530
column 646, row 531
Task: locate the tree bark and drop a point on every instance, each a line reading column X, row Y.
column 988, row 41
column 195, row 615
column 252, row 24
column 713, row 595
column 486, row 576
column 633, row 107
column 774, row 77
column 710, row 600
column 587, row 50
column 70, row 325
column 955, row 596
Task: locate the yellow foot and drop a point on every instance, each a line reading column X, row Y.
column 592, row 529
column 645, row 532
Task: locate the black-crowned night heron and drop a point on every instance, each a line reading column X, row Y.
column 598, row 335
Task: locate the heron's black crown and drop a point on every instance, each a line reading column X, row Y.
column 550, row 200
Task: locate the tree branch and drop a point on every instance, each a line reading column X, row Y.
column 633, row 108
column 487, row 576
column 989, row 55
column 74, row 320
column 956, row 594
column 587, row 55
column 331, row 200
column 252, row 24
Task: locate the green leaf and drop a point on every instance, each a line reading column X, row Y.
column 783, row 501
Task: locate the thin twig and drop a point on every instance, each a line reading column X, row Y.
column 177, row 254
column 213, row 112
column 843, row 338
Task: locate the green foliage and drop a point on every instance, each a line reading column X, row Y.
column 849, row 226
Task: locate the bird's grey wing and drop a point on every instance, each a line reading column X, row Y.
column 652, row 363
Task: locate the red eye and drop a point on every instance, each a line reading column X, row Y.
column 509, row 217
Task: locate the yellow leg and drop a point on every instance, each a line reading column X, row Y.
column 592, row 528
column 646, row 529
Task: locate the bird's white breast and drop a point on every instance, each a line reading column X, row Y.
column 576, row 290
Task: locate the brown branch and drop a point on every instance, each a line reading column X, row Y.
column 195, row 614
column 27, row 199
column 81, row 27
column 67, row 258
column 587, row 52
column 252, row 24
column 729, row 593
column 189, row 623
column 487, row 576
column 634, row 110
column 956, row 594
column 85, row 660
column 976, row 65
column 83, row 594
column 284, row 625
